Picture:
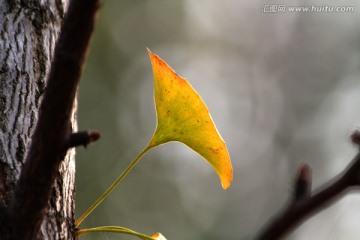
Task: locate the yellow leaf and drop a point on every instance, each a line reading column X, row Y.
column 158, row 236
column 183, row 116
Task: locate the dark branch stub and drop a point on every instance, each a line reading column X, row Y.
column 355, row 138
column 303, row 183
column 82, row 138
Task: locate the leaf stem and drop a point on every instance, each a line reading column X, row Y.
column 114, row 229
column 112, row 187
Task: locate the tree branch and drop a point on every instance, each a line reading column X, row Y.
column 47, row 150
column 301, row 208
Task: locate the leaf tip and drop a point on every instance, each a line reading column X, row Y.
column 148, row 50
column 226, row 183
column 227, row 177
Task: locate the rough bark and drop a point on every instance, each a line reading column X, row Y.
column 28, row 33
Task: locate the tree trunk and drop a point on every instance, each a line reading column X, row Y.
column 28, row 33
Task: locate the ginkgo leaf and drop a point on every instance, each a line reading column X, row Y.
column 183, row 116
column 158, row 236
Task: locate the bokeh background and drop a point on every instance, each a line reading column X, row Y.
column 283, row 88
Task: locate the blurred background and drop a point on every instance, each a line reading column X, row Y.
column 282, row 87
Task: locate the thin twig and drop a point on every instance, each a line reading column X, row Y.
column 295, row 213
column 47, row 150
